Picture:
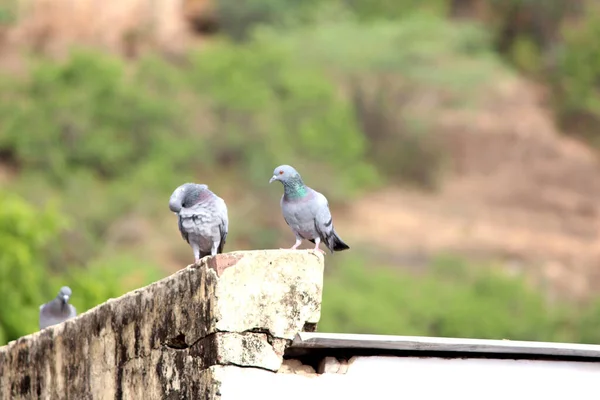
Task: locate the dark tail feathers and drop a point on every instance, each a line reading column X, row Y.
column 335, row 243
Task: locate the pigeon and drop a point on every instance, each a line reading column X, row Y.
column 57, row 310
column 306, row 211
column 202, row 218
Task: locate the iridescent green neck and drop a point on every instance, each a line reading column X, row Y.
column 294, row 188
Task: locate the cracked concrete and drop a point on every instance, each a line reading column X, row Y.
column 239, row 309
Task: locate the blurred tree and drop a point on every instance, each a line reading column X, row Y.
column 576, row 76
column 238, row 18
column 452, row 299
column 24, row 232
column 268, row 109
column 26, row 282
column 109, row 277
column 86, row 114
column 8, row 13
column 387, row 67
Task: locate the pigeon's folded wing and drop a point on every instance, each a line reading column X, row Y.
column 323, row 219
column 224, row 225
column 192, row 218
column 183, row 232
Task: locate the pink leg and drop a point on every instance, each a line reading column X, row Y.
column 317, row 242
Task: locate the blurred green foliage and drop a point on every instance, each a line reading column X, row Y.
column 576, row 76
column 266, row 109
column 250, row 104
column 237, row 18
column 453, row 298
column 112, row 135
column 393, row 10
column 87, row 115
column 552, row 41
column 109, row 277
column 387, row 68
column 27, row 281
column 24, row 231
column 8, row 12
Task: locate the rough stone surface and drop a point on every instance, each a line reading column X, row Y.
column 329, row 365
column 283, row 287
column 158, row 342
column 249, row 349
column 296, row 367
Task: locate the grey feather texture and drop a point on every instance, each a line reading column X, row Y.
column 57, row 310
column 202, row 218
column 306, row 211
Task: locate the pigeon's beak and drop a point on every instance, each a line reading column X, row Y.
column 66, row 298
column 274, row 178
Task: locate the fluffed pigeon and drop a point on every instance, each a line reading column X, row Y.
column 202, row 218
column 57, row 310
column 306, row 211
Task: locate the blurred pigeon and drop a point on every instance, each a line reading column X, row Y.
column 306, row 211
column 202, row 217
column 57, row 310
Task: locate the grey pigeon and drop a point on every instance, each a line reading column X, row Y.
column 57, row 310
column 306, row 211
column 202, row 218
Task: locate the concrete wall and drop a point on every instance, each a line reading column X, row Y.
column 169, row 340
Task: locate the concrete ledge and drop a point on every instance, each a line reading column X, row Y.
column 240, row 308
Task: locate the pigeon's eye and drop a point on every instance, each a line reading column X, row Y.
column 280, row 172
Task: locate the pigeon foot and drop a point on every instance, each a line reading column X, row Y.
column 319, row 250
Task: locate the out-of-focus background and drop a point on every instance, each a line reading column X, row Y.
column 457, row 142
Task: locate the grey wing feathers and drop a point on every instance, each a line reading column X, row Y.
column 324, row 227
column 193, row 217
column 323, row 219
column 183, row 232
column 224, row 226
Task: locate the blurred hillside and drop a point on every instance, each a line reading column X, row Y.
column 456, row 141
